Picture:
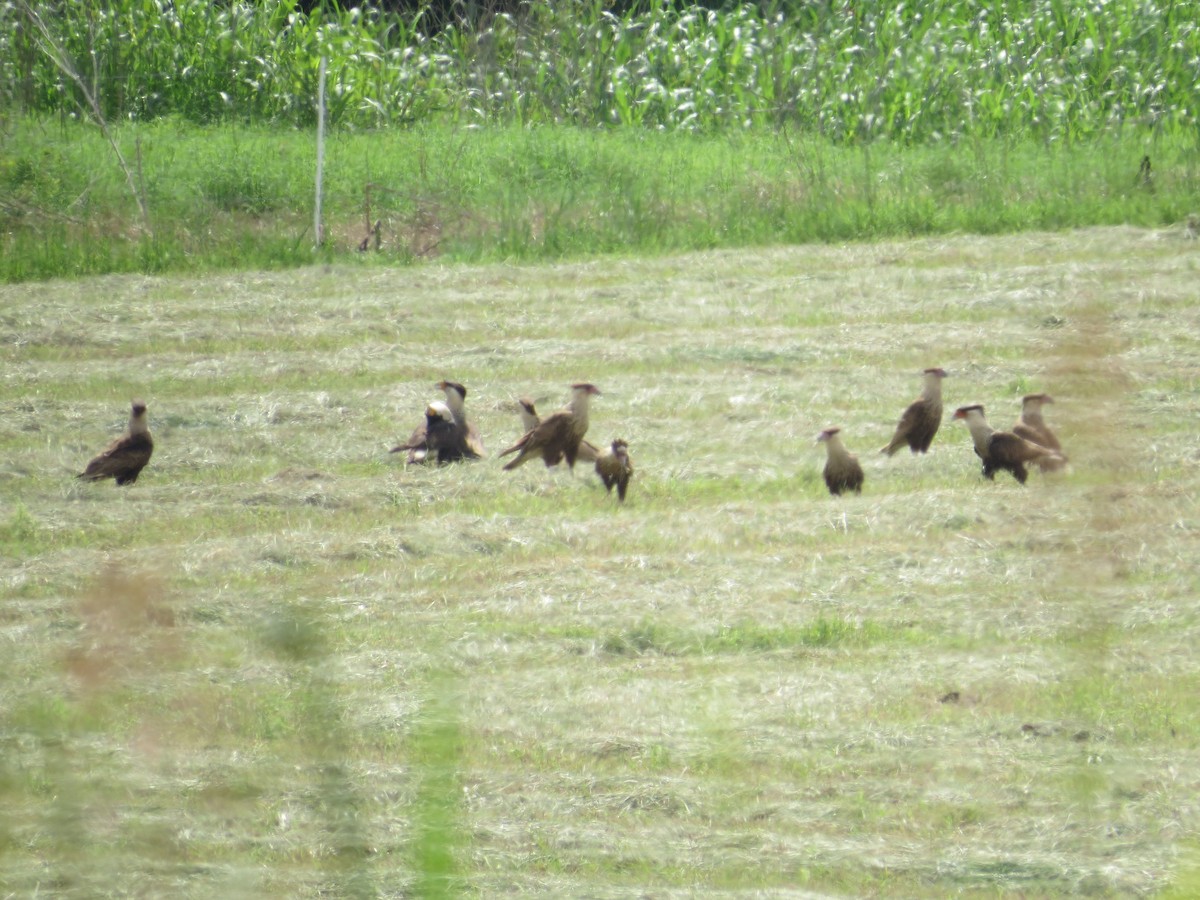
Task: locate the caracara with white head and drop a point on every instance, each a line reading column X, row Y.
column 1001, row 450
column 457, row 438
column 842, row 469
column 920, row 421
column 124, row 459
column 1032, row 427
column 471, row 442
column 614, row 466
column 559, row 435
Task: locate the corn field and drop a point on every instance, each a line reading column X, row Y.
column 846, row 71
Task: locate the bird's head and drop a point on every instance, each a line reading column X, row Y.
column 969, row 412
column 827, row 434
column 138, row 408
column 586, row 389
column 438, row 410
column 448, row 386
column 936, row 372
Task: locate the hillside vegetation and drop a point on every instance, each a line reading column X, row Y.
column 283, row 664
column 154, row 137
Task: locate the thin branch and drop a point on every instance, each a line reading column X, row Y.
column 59, row 56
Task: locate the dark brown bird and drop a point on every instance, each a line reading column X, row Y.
column 559, row 435
column 456, row 441
column 442, row 434
column 614, row 466
column 1032, row 427
column 842, row 470
column 471, row 442
column 919, row 423
column 125, row 457
column 1000, row 450
column 530, row 420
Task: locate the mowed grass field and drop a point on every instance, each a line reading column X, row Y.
column 284, row 664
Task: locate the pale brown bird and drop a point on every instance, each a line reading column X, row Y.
column 921, row 420
column 1000, row 450
column 559, row 435
column 124, row 459
column 457, row 440
column 614, row 466
column 1032, row 427
column 530, row 420
column 529, row 415
column 842, row 469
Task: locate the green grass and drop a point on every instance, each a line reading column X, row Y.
column 1043, row 69
column 283, row 664
column 236, row 197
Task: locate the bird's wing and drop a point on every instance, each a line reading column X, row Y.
column 520, row 444
column 474, row 442
column 1047, row 439
column 1026, row 432
column 552, row 436
column 416, row 440
column 123, row 454
column 911, row 420
column 1008, row 448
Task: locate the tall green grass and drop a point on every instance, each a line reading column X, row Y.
column 569, row 130
column 1051, row 68
column 241, row 197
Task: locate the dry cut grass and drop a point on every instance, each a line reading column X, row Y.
column 284, row 664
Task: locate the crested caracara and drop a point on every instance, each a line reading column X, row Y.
column 919, row 423
column 530, row 420
column 456, row 441
column 614, row 466
column 124, row 458
column 1032, row 427
column 559, row 435
column 471, row 442
column 842, row 470
column 1000, row 449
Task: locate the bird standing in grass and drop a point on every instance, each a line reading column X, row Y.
column 470, row 442
column 530, row 420
column 1000, row 450
column 457, row 438
column 1032, row 427
column 442, row 434
column 842, row 469
column 559, row 435
column 920, row 421
column 614, row 466
column 124, row 459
